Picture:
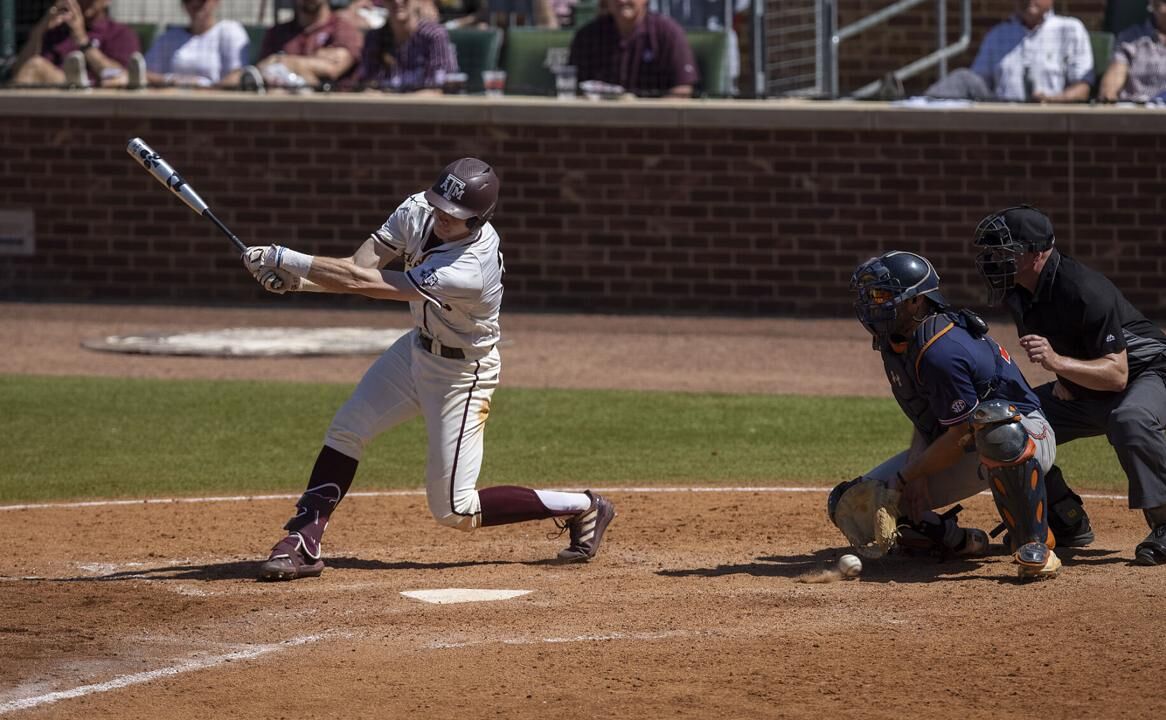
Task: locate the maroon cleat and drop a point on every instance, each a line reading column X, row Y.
column 587, row 529
column 289, row 560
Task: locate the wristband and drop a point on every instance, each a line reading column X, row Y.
column 296, row 263
column 89, row 44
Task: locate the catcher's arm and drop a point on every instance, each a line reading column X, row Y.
column 946, row 451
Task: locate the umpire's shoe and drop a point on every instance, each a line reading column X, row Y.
column 1152, row 550
column 289, row 560
column 587, row 529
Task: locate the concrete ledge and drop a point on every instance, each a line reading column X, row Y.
column 516, row 111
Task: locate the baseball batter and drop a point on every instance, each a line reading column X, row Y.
column 445, row 370
column 956, row 384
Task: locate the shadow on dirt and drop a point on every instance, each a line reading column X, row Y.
column 895, row 568
column 247, row 569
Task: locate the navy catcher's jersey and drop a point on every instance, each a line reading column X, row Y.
column 948, row 371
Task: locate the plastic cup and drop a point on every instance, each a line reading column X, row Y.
column 454, row 83
column 566, row 82
column 494, row 81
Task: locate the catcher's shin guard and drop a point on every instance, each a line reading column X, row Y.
column 1008, row 463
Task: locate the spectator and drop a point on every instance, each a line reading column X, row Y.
column 1137, row 72
column 372, row 14
column 643, row 52
column 408, row 54
column 316, row 47
column 201, row 54
column 99, row 50
column 1034, row 56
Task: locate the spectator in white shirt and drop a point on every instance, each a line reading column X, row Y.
column 1033, row 56
column 201, row 54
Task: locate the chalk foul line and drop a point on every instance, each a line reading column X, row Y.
column 420, row 492
column 248, row 653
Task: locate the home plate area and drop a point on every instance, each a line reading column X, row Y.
column 450, row 596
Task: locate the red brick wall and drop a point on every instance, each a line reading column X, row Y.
column 667, row 219
column 871, row 54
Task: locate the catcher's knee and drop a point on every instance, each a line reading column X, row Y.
column 1008, row 461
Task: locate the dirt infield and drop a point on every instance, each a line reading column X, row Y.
column 693, row 608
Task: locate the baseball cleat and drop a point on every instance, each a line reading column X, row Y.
column 1152, row 550
column 1037, row 562
column 587, row 529
column 288, row 562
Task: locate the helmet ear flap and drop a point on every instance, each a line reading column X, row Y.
column 473, row 223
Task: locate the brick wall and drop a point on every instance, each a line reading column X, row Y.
column 871, row 54
column 651, row 210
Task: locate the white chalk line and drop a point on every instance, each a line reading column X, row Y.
column 420, row 492
column 117, row 683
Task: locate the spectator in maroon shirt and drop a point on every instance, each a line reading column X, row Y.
column 318, row 46
column 76, row 26
column 643, row 52
column 408, row 54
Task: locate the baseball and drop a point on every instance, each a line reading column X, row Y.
column 849, row 565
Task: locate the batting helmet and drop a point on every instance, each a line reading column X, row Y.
column 466, row 189
column 883, row 283
column 1004, row 236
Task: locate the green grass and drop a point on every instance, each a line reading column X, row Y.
column 66, row 438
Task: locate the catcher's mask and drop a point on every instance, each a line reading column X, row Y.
column 466, row 189
column 1002, row 238
column 883, row 283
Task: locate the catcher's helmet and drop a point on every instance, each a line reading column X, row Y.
column 466, row 189
column 883, row 283
column 1002, row 237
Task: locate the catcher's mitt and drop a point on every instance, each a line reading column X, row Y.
column 867, row 511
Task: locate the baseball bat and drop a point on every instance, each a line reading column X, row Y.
column 172, row 181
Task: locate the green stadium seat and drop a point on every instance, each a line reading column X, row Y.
column 1121, row 14
column 584, row 12
column 710, row 47
column 477, row 50
column 255, row 33
column 1102, row 43
column 528, row 55
column 146, row 34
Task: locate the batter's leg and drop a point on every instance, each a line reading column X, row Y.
column 455, row 400
column 384, row 397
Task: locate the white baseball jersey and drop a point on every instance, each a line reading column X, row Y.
column 461, row 280
column 461, row 283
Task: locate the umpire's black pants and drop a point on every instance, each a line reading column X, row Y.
column 1134, row 422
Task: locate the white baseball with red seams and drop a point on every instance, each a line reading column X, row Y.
column 849, row 565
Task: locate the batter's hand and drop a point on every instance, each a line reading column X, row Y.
column 1040, row 352
column 1061, row 392
column 259, row 257
column 278, row 281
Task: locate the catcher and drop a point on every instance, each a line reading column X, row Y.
column 959, row 388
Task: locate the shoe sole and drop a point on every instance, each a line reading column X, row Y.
column 1045, row 572
column 281, row 569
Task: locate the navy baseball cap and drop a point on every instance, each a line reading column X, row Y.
column 1029, row 227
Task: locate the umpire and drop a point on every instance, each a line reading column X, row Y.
column 1110, row 361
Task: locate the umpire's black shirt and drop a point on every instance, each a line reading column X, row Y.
column 1084, row 316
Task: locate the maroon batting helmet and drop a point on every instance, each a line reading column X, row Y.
column 466, row 189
